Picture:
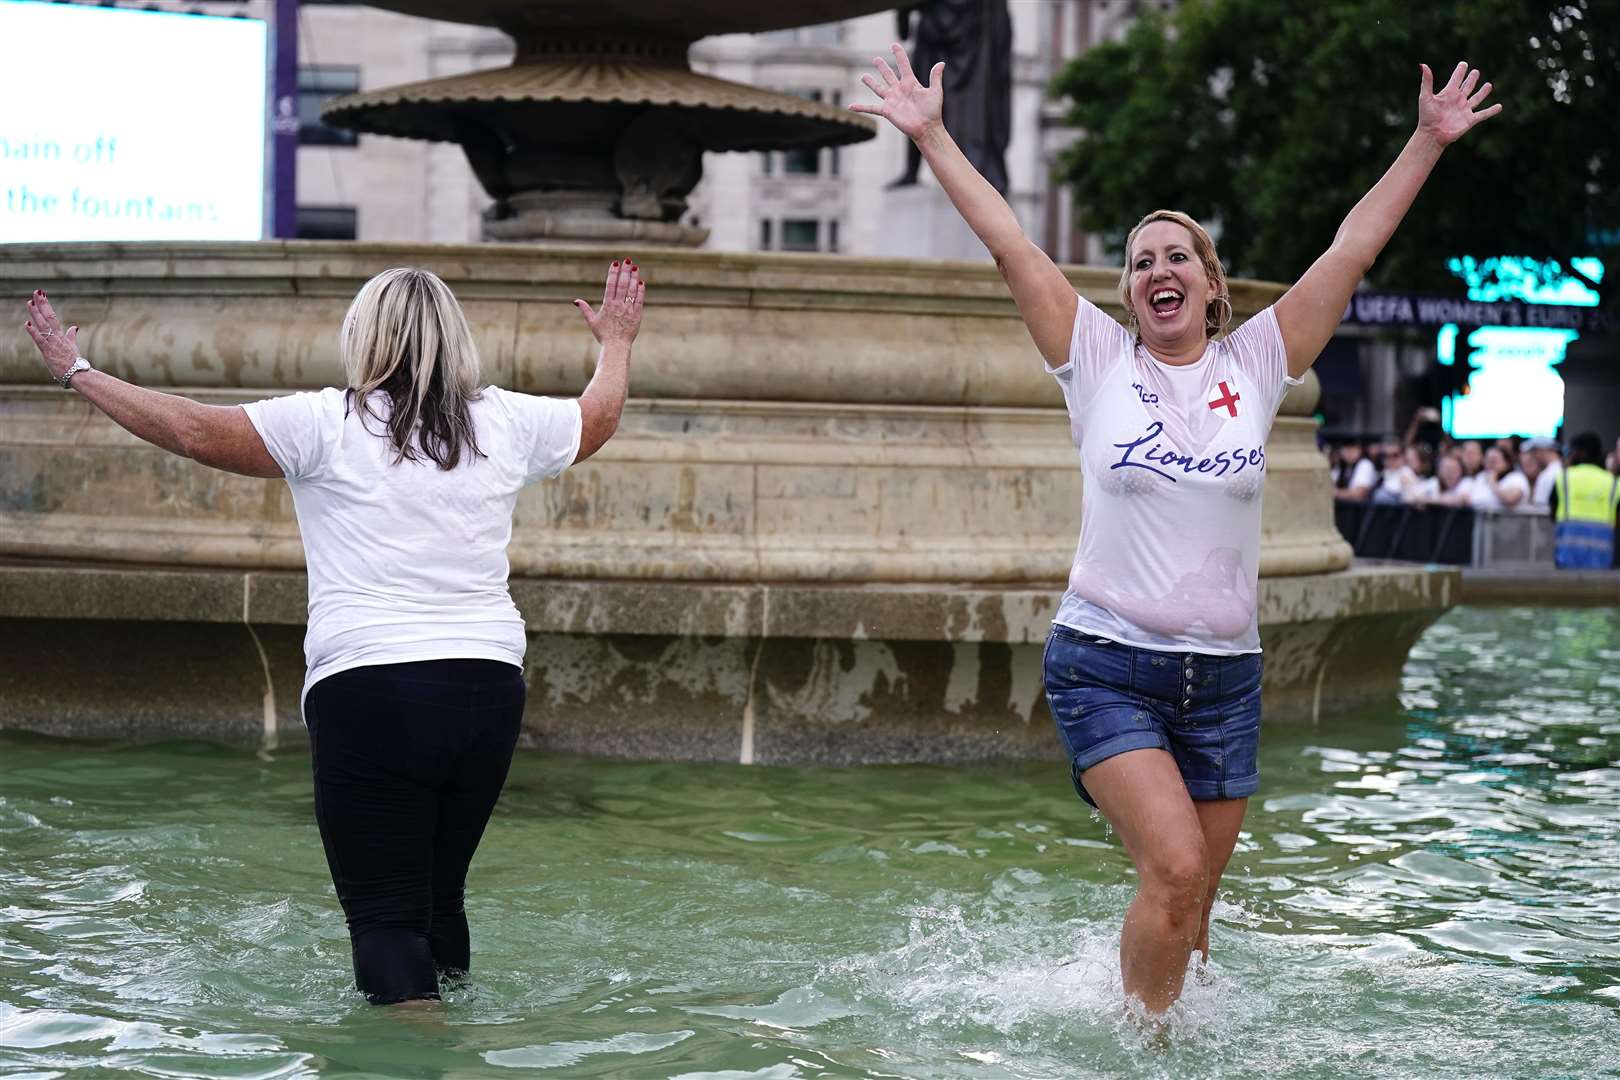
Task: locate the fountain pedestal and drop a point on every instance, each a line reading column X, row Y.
column 595, row 133
column 812, row 538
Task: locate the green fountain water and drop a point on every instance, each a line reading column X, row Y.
column 1429, row 892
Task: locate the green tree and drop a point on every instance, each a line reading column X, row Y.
column 1268, row 119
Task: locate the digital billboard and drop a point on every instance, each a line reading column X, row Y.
column 1513, row 387
column 130, row 125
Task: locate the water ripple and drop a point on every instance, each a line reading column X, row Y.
column 1429, row 891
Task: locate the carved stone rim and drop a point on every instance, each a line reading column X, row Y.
column 720, row 115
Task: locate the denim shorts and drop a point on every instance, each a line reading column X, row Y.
column 1109, row 698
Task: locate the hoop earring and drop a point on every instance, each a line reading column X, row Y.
column 1219, row 323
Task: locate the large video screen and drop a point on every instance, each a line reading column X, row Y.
column 1513, row 387
column 130, row 125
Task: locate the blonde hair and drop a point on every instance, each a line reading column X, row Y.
column 1218, row 312
column 406, row 336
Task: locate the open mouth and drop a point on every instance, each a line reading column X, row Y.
column 1166, row 303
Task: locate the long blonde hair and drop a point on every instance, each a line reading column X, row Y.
column 1218, row 312
column 406, row 336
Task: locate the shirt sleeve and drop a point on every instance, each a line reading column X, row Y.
column 1095, row 342
column 548, row 431
column 294, row 430
column 1257, row 349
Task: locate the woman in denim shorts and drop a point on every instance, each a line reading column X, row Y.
column 1153, row 666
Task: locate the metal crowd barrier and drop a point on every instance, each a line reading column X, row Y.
column 1446, row 535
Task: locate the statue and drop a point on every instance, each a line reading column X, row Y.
column 974, row 38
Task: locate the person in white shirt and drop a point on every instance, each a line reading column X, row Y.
column 1550, row 459
column 1355, row 476
column 1530, row 465
column 404, row 483
column 1451, row 488
column 1418, row 483
column 1152, row 668
column 1499, row 486
column 1396, row 476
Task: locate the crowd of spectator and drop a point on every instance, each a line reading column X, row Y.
column 1510, row 475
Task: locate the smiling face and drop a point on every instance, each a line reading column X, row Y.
column 1168, row 286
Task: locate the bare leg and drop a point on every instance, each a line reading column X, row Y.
column 1142, row 795
column 1221, row 820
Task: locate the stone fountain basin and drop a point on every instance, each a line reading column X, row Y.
column 575, row 101
column 843, row 496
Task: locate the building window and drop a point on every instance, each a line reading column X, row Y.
column 808, row 162
column 821, row 34
column 327, row 223
column 832, row 235
column 765, row 234
column 801, row 234
column 765, row 161
column 317, row 86
column 801, row 162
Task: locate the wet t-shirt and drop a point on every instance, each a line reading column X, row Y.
column 1174, row 461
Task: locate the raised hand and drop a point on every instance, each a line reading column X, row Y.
column 1448, row 115
column 58, row 347
column 618, row 320
column 904, row 102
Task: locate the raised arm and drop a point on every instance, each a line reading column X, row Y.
column 1045, row 299
column 1310, row 311
column 218, row 435
column 614, row 325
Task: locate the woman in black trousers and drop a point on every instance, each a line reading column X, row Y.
column 404, row 483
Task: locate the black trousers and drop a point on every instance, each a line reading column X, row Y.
column 409, row 760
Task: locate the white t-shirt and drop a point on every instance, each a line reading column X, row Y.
column 1364, row 477
column 1395, row 482
column 407, row 561
column 1481, row 497
column 1546, row 481
column 1174, row 461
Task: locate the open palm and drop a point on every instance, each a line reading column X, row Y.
column 904, row 102
column 1448, row 115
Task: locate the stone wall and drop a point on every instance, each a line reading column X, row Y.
column 834, row 524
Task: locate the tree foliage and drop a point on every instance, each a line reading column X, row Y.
column 1269, row 119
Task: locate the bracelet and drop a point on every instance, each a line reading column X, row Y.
column 78, row 365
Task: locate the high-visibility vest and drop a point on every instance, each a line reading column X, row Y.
column 1583, row 536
